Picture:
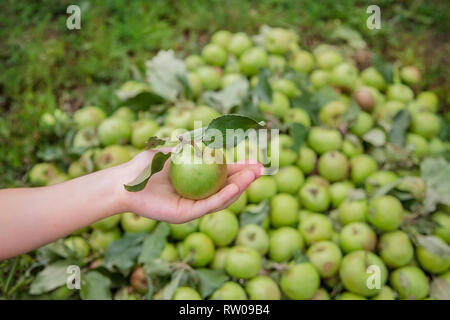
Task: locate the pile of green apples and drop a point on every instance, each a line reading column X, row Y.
column 326, row 220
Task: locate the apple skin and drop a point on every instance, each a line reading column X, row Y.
column 357, row 236
column 314, row 197
column 400, row 92
column 169, row 253
column 283, row 210
column 379, row 179
column 142, row 131
column 107, row 223
column 214, row 54
column 278, row 41
column 333, row 166
column 289, row 179
column 277, row 63
column 90, row 116
column 210, row 77
column 322, row 140
column 321, row 294
column 239, row 205
column 297, row 115
column 243, row 262
column 353, row 272
column 364, row 122
column 352, row 147
column 283, row 242
column 202, row 114
column 319, row 78
column 193, row 62
column 114, row 130
column 306, row 160
column 426, row 124
column 385, row 213
column 76, row 169
column 328, row 59
column 331, row 113
column 229, row 291
column 365, row 99
column 279, row 106
column 316, row 227
column 352, row 211
column 230, row 78
column 125, row 113
column 443, row 229
column 253, row 236
column 344, row 75
column 186, row 293
column 41, row 173
column 339, row 192
column 221, row 38
column 302, row 61
column 431, row 262
column 100, row 240
column 326, row 257
column 418, row 143
column 362, row 166
column 286, row 87
column 182, row 230
column 85, row 138
column 265, row 187
column 222, row 227
column 252, row 60
column 386, row 293
column 300, row 282
column 111, row 156
column 395, row 249
column 372, row 77
column 410, row 74
column 428, row 100
column 239, row 42
column 410, row 283
column 132, row 222
column 263, row 288
column 200, row 248
column 350, row 296
column 220, row 256
column 78, row 245
column 138, row 280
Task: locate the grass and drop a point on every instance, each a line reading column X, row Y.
column 44, row 66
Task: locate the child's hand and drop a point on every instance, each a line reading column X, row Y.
column 160, row 201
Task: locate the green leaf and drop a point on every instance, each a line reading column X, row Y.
column 351, row 114
column 381, row 191
column 298, row 133
column 186, row 86
column 250, row 109
column 138, row 95
column 154, row 243
column 173, row 285
column 163, row 74
column 220, row 125
column 154, row 142
column 139, row 183
column 52, row 277
column 385, row 68
column 440, row 288
column 434, row 245
column 210, row 280
column 435, row 172
column 157, row 267
column 375, row 137
column 263, row 90
column 299, row 257
column 256, row 215
column 232, row 96
column 400, row 125
column 95, row 286
column 123, row 252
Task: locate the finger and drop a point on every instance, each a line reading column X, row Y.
column 257, row 168
column 243, row 178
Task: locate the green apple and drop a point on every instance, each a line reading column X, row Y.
column 286, row 87
column 278, row 40
column 222, row 227
column 265, row 187
column 379, row 179
column 100, row 240
column 399, row 92
column 76, row 169
column 302, row 61
column 199, row 248
column 114, row 131
column 363, row 123
column 283, row 243
column 344, row 75
column 196, row 177
column 86, row 138
column 339, row 192
column 89, row 117
column 195, row 83
column 182, row 230
column 328, row 59
column 112, row 156
column 289, row 179
column 253, row 236
column 355, row 276
column 142, row 130
column 350, row 296
column 214, row 54
column 426, row 124
column 413, row 185
column 352, row 211
column 300, row 282
column 186, row 293
column 388, row 110
column 386, row 293
column 231, row 78
column 357, row 236
column 41, row 173
column 277, row 63
column 333, row 166
column 428, row 100
column 365, row 99
column 229, row 291
column 306, row 160
column 317, row 180
column 316, row 227
column 410, row 74
column 239, row 205
column 59, row 178
column 395, row 249
column 178, row 118
column 193, row 62
column 239, row 42
column 372, row 77
column 169, row 253
column 279, row 106
column 283, row 210
column 314, row 197
column 436, row 146
column 442, row 230
column 286, row 156
column 385, row 213
column 432, row 262
column 326, row 257
column 78, row 245
column 322, row 140
column 352, row 146
column 418, row 144
column 220, row 256
column 331, row 113
column 321, row 294
column 252, row 60
column 243, row 262
column 202, row 114
column 319, row 78
column 107, row 223
column 299, row 116
column 410, row 282
column 132, row 222
column 125, row 113
column 263, row 288
column 362, row 166
column 210, row 77
column 221, row 38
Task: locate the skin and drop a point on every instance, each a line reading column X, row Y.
column 69, row 206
